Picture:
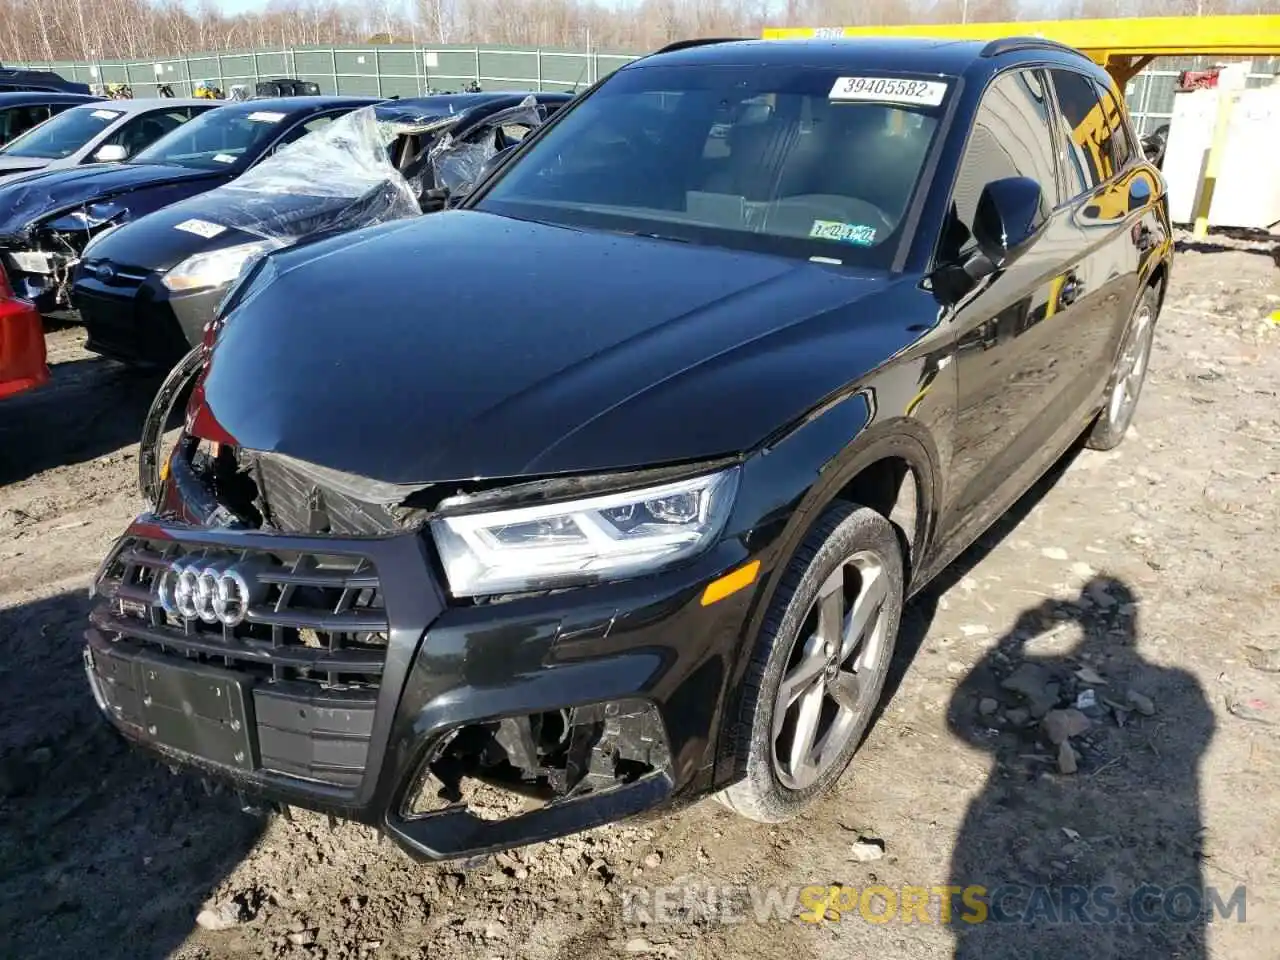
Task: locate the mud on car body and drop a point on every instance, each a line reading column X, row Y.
column 47, row 218
column 795, row 322
column 146, row 291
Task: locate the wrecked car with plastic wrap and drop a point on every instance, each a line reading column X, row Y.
column 146, row 291
column 605, row 490
column 47, row 218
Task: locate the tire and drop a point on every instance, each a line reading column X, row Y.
column 855, row 553
column 1127, row 376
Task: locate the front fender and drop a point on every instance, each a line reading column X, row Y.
column 903, row 413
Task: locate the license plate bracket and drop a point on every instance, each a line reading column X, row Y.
column 197, row 710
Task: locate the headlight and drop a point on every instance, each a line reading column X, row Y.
column 215, row 268
column 31, row 262
column 606, row 537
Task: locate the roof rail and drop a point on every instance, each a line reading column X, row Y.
column 698, row 42
column 1009, row 44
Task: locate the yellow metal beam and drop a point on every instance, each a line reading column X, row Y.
column 1122, row 45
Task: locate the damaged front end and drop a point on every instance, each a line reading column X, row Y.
column 40, row 259
column 364, row 690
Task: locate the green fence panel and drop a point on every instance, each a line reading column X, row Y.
column 565, row 69
column 361, row 63
column 273, row 65
column 398, row 63
column 314, row 62
column 506, row 66
column 358, row 86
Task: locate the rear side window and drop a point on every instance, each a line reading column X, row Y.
column 1117, row 148
column 1082, row 130
column 18, row 120
column 1011, row 137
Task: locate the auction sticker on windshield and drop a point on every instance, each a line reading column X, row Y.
column 266, row 116
column 918, row 93
column 201, row 228
column 105, row 114
column 859, row 233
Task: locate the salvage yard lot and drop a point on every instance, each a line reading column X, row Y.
column 1146, row 575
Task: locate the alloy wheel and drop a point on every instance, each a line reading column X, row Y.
column 830, row 681
column 1131, row 370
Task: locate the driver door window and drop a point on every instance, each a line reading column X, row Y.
column 140, row 132
column 1012, row 136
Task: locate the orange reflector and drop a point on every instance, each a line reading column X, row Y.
column 730, row 583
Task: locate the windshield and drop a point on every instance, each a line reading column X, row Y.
column 797, row 161
column 216, row 139
column 63, row 135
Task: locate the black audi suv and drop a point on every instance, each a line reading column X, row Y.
column 607, row 488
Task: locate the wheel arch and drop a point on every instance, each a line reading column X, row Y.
column 891, row 467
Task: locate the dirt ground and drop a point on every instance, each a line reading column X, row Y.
column 1146, row 575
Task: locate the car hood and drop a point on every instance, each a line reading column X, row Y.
column 37, row 195
column 163, row 239
column 467, row 345
column 13, row 166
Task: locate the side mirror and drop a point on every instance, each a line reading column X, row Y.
column 111, row 153
column 1011, row 214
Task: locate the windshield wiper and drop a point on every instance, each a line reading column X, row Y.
column 652, row 236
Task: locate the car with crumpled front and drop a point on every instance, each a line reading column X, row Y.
column 605, row 490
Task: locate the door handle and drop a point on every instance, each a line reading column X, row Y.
column 1070, row 290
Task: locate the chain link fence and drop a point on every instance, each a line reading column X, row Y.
column 404, row 70
column 410, row 70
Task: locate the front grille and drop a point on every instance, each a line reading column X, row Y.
column 319, row 623
column 125, row 278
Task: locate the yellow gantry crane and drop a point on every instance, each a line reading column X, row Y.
column 1123, row 46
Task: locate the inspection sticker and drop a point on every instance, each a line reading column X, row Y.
column 858, row 233
column 201, row 228
column 918, row 93
column 265, row 116
column 105, row 114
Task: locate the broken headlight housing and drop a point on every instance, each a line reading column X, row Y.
column 215, row 268
column 606, row 537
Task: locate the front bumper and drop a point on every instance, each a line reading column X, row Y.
column 134, row 318
column 608, row 653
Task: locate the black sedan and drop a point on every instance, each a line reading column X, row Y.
column 46, row 219
column 19, row 112
column 608, row 488
column 146, row 291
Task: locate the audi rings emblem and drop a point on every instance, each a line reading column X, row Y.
column 209, row 589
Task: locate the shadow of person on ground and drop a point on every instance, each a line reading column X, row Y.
column 1103, row 860
column 918, row 613
column 104, row 852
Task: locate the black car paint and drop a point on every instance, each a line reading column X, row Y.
column 820, row 382
column 111, row 193
column 129, row 314
column 46, row 80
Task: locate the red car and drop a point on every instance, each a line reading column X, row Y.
column 22, row 353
